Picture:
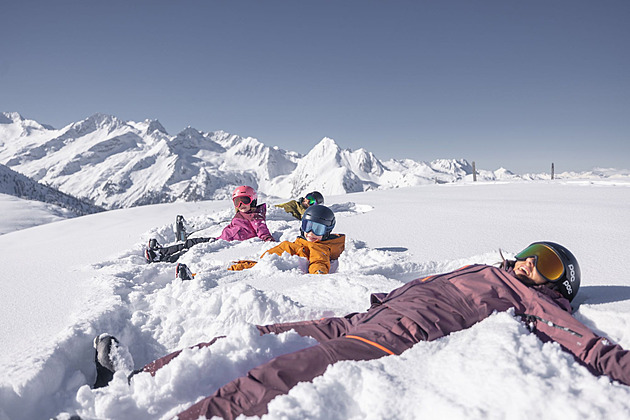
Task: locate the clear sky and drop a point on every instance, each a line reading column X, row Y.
column 518, row 84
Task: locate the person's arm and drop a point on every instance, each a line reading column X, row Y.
column 322, row 329
column 279, row 249
column 283, row 247
column 229, row 232
column 292, row 207
column 319, row 260
column 597, row 353
column 262, row 231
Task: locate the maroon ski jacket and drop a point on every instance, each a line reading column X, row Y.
column 454, row 301
column 424, row 309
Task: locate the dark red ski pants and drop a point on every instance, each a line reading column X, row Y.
column 370, row 335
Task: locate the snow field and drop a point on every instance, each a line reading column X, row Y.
column 495, row 370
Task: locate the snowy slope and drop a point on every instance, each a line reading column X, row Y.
column 118, row 164
column 65, row 282
column 18, row 185
column 20, row 214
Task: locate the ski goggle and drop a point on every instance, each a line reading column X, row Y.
column 311, row 200
column 317, row 228
column 548, row 262
column 241, row 200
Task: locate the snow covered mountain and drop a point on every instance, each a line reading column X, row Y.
column 18, row 185
column 115, row 163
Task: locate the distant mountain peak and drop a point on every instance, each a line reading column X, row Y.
column 17, row 119
column 328, row 143
column 10, row 117
column 155, row 125
column 101, row 118
column 93, row 123
column 116, row 163
column 325, row 149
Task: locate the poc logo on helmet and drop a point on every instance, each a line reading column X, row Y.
column 571, row 273
column 566, row 283
column 568, row 286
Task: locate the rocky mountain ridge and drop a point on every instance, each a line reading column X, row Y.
column 115, row 164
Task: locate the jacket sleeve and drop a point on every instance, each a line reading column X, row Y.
column 597, row 353
column 609, row 359
column 230, row 232
column 319, row 261
column 262, row 231
column 292, row 207
column 284, row 246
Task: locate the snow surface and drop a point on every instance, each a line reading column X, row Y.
column 18, row 214
column 63, row 283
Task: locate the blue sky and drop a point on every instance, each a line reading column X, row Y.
column 518, row 84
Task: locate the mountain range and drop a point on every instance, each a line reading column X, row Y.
column 115, row 164
column 18, row 185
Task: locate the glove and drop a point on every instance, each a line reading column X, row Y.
column 241, row 265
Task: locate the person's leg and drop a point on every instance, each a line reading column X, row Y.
column 157, row 364
column 250, row 394
column 110, row 356
column 194, row 241
column 167, row 252
column 366, row 336
column 104, row 366
column 173, row 252
column 321, row 329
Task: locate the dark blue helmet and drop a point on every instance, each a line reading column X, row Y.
column 318, row 219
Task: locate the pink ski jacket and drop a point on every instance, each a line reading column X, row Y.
column 450, row 302
column 248, row 225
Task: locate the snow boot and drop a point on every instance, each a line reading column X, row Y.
column 180, row 228
column 110, row 357
column 183, row 272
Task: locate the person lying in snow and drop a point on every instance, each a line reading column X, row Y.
column 248, row 222
column 539, row 285
column 317, row 244
column 298, row 207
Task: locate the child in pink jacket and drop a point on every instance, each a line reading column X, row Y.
column 248, row 222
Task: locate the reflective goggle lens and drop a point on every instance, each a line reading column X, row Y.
column 242, row 200
column 311, row 200
column 548, row 262
column 317, row 228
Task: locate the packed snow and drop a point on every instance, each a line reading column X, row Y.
column 66, row 282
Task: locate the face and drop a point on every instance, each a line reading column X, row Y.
column 311, row 237
column 305, row 203
column 527, row 272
